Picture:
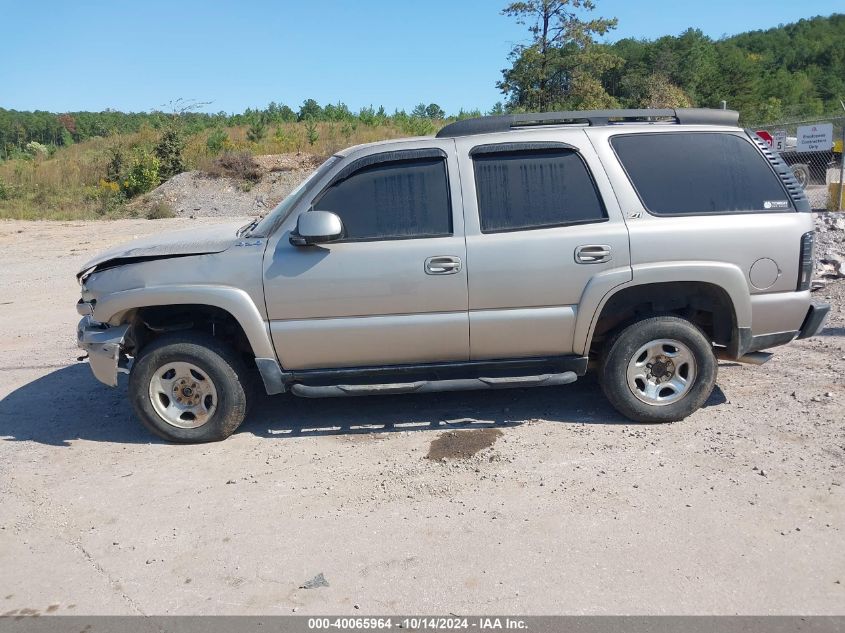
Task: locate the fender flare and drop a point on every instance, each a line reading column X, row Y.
column 728, row 277
column 111, row 308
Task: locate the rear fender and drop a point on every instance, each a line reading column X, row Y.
column 726, row 276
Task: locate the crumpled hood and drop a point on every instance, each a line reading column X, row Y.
column 198, row 241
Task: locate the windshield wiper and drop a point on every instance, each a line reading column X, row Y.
column 246, row 229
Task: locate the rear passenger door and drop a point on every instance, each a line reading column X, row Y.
column 542, row 224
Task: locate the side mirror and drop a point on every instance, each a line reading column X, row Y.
column 316, row 227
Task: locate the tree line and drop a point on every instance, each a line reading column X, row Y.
column 790, row 70
column 794, row 70
column 20, row 129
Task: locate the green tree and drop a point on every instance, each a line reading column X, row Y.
column 257, row 130
column 310, row 108
column 338, row 112
column 216, row 141
column 419, row 111
column 562, row 64
column 434, row 111
column 169, row 150
column 311, row 130
column 659, row 92
column 143, row 174
column 348, row 128
column 652, row 90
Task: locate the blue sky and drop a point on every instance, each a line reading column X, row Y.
column 135, row 56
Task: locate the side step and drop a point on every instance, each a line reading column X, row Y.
column 429, row 386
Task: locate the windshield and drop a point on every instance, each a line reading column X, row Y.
column 268, row 223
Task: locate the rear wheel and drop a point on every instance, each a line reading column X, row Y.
column 189, row 387
column 659, row 369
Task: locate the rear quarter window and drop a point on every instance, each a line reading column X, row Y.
column 696, row 173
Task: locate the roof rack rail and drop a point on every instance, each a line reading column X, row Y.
column 507, row 122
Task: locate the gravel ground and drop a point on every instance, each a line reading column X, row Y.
column 537, row 501
column 830, row 245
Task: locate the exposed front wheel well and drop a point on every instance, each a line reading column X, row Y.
column 151, row 322
column 706, row 305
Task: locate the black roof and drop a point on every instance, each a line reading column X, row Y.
column 507, row 122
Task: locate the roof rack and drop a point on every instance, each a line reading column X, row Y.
column 508, row 122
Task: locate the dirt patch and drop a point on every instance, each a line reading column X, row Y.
column 462, row 444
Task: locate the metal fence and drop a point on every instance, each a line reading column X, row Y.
column 813, row 148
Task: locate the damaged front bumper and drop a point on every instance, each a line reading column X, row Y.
column 104, row 345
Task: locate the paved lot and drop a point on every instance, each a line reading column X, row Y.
column 738, row 509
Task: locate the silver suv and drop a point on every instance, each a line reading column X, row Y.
column 507, row 251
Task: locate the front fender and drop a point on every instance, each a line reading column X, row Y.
column 110, row 308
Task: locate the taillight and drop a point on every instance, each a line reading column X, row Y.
column 805, row 273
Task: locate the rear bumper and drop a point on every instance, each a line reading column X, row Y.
column 104, row 345
column 814, row 321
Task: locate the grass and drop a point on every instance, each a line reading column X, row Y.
column 68, row 185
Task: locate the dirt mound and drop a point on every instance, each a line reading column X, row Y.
column 199, row 194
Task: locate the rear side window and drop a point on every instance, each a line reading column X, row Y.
column 519, row 190
column 404, row 199
column 699, row 173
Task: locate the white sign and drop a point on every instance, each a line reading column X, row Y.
column 779, row 140
column 815, row 138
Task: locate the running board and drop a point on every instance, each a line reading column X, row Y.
column 429, row 386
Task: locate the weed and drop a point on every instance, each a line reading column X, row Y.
column 236, row 165
column 160, row 211
column 7, row 192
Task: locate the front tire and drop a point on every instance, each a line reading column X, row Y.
column 658, row 369
column 189, row 388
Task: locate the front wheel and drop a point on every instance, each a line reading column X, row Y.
column 189, row 388
column 659, row 369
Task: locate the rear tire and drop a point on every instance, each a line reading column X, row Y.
column 189, row 387
column 658, row 369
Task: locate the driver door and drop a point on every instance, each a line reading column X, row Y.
column 393, row 289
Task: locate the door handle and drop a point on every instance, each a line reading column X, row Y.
column 442, row 265
column 593, row 254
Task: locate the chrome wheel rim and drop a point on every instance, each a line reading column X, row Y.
column 661, row 372
column 183, row 395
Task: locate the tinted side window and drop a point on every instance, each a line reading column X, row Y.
column 534, row 189
column 699, row 172
column 392, row 200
